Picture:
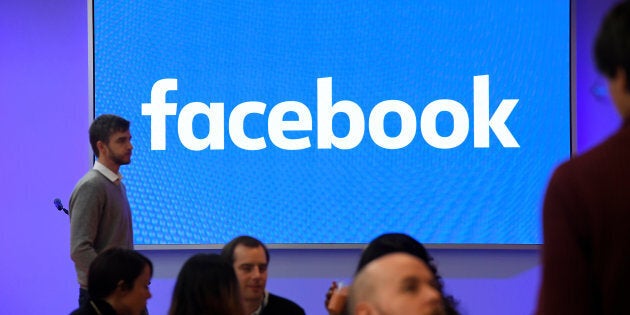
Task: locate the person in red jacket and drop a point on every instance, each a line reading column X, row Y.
column 586, row 211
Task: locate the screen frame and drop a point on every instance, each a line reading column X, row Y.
column 468, row 246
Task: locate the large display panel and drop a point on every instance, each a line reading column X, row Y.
column 330, row 122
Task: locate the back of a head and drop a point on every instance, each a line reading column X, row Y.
column 612, row 45
column 112, row 266
column 206, row 284
column 248, row 241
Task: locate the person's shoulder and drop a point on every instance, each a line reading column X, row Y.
column 84, row 310
column 93, row 179
column 87, row 309
column 280, row 305
column 609, row 156
column 613, row 147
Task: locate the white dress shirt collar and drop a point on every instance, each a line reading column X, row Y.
column 113, row 177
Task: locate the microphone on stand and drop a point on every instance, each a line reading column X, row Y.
column 59, row 205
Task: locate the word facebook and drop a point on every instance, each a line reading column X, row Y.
column 158, row 109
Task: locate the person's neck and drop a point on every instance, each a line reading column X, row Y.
column 110, row 165
column 113, row 302
column 251, row 305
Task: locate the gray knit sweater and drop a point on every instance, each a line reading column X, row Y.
column 100, row 218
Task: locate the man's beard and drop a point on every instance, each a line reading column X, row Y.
column 119, row 159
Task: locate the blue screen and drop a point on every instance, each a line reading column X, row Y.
column 330, row 122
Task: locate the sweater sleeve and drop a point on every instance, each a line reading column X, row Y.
column 86, row 204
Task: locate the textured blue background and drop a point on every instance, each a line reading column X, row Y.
column 44, row 118
column 417, row 52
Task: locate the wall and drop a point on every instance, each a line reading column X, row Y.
column 43, row 125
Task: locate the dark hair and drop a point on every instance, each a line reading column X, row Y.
column 398, row 242
column 206, row 284
column 612, row 45
column 228, row 250
column 103, row 127
column 112, row 266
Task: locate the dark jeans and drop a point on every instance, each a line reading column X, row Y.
column 84, row 297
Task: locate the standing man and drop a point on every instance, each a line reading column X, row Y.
column 100, row 216
column 250, row 259
column 586, row 214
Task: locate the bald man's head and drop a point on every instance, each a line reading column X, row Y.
column 395, row 284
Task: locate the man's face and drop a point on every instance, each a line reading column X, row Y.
column 250, row 265
column 118, row 149
column 403, row 284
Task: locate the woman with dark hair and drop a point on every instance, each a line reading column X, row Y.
column 118, row 284
column 393, row 243
column 206, row 285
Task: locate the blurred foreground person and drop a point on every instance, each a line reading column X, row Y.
column 586, row 212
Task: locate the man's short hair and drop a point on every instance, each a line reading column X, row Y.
column 389, row 243
column 228, row 250
column 112, row 266
column 362, row 289
column 612, row 45
column 103, row 127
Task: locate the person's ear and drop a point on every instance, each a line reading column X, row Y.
column 101, row 147
column 363, row 308
column 121, row 287
column 622, row 79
